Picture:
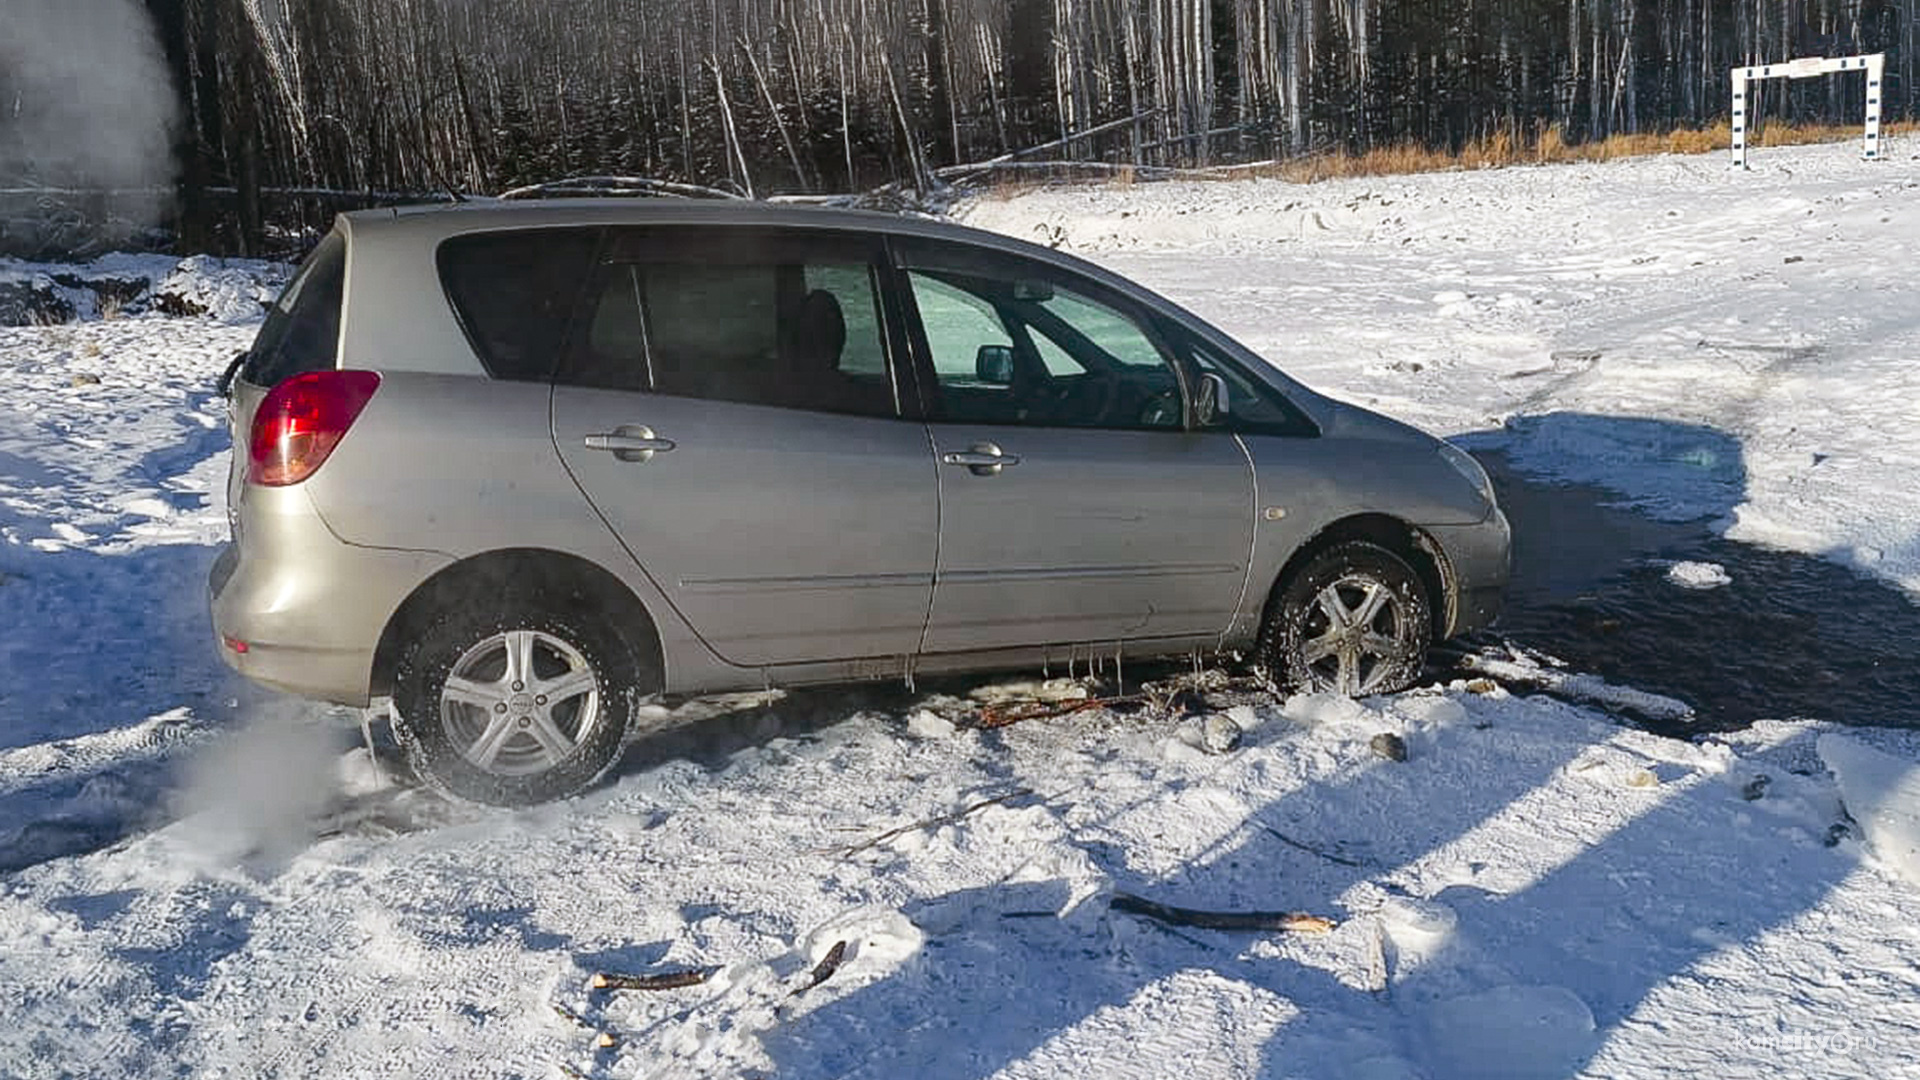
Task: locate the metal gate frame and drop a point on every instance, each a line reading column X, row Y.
column 1807, row 67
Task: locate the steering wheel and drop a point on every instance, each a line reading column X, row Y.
column 1162, row 410
column 1084, row 401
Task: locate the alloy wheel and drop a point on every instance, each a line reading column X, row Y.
column 520, row 702
column 1357, row 636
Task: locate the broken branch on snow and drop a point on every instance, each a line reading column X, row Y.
column 824, row 970
column 999, row 716
column 936, row 822
column 1309, row 848
column 665, row 980
column 1288, row 921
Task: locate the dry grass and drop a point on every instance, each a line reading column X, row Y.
column 1006, row 189
column 1504, row 148
column 1499, row 150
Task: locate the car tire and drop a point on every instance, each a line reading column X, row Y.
column 1355, row 620
column 517, row 702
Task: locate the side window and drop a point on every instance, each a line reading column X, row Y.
column 1107, row 330
column 852, row 287
column 731, row 317
column 1008, row 349
column 515, row 293
column 302, row 329
column 1055, row 359
column 1253, row 407
column 612, row 351
column 961, row 328
column 713, row 331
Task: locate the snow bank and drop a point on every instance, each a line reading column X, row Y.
column 1882, row 793
column 120, row 284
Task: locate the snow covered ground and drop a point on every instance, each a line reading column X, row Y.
column 230, row 290
column 202, row 879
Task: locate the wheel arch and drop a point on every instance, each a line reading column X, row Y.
column 538, row 568
column 1408, row 541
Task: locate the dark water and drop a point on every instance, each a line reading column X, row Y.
column 1790, row 636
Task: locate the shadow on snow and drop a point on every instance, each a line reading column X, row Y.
column 1006, row 973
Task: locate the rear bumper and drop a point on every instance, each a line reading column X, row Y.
column 1480, row 556
column 297, row 609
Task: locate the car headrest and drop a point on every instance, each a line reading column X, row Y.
column 820, row 333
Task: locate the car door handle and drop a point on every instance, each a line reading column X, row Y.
column 630, row 442
column 984, row 459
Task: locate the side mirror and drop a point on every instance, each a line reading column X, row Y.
column 1211, row 403
column 993, row 365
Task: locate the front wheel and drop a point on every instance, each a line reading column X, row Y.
column 1356, row 620
column 515, row 704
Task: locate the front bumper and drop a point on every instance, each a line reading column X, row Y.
column 297, row 609
column 1481, row 558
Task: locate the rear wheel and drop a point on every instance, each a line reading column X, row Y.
column 1355, row 620
column 516, row 702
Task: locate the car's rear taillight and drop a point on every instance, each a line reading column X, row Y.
column 301, row 420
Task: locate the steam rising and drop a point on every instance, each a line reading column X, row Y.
column 255, row 796
column 85, row 99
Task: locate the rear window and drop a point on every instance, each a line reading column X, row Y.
column 515, row 293
column 302, row 330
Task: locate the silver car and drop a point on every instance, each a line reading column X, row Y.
column 523, row 467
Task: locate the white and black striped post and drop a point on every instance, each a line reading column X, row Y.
column 1875, row 65
column 1740, row 117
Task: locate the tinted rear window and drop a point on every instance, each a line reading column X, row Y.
column 302, row 331
column 751, row 316
column 515, row 293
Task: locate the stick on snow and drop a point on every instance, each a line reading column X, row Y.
column 824, row 970
column 665, row 980
column 1309, row 848
column 935, row 822
column 1289, row 921
column 999, row 716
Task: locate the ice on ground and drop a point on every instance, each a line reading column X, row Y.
column 1420, row 929
column 1016, row 691
column 1511, row 1033
column 1698, row 575
column 1578, row 686
column 1882, row 793
column 928, row 724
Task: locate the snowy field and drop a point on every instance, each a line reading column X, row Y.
column 201, row 879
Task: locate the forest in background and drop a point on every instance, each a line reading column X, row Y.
column 320, row 104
